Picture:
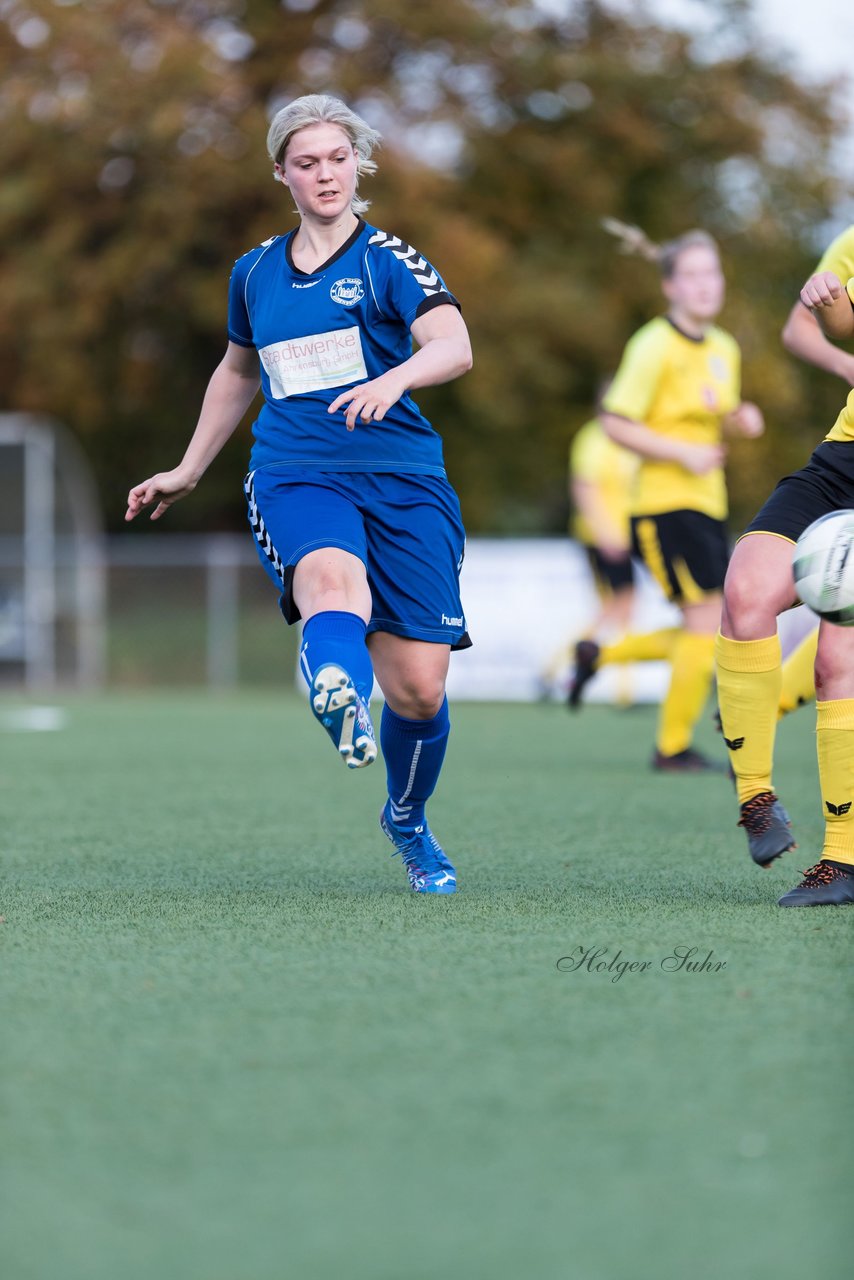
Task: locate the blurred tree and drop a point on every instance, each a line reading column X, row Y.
column 133, row 144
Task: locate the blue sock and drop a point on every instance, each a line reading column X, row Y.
column 339, row 638
column 414, row 751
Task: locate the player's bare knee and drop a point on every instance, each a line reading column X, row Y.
column 329, row 591
column 740, row 604
column 751, row 605
column 421, row 696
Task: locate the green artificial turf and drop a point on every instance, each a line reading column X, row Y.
column 236, row 1047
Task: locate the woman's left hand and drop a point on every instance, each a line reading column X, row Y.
column 370, row 401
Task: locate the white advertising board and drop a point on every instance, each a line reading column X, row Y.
column 525, row 598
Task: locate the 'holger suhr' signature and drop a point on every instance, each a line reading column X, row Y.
column 680, row 960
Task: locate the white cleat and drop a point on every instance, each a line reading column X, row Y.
column 344, row 715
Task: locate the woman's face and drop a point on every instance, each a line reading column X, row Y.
column 319, row 168
column 697, row 285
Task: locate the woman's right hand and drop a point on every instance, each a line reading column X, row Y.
column 701, row 458
column 165, row 488
column 822, row 290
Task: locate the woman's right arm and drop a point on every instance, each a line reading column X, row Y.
column 802, row 336
column 828, row 300
column 232, row 388
column 631, row 396
column 697, row 458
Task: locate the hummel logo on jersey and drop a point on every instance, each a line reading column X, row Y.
column 838, row 809
column 347, row 292
column 296, row 285
column 734, row 744
column 451, row 622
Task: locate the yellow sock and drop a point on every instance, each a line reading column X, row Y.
column 750, row 674
column 799, row 675
column 835, row 743
column 692, row 662
column 648, row 647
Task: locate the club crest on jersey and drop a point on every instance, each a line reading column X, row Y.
column 347, row 292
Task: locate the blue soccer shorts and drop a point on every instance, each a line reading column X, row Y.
column 406, row 530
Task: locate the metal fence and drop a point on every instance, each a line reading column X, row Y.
column 156, row 609
column 188, row 609
column 144, row 608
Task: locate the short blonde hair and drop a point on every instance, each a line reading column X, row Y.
column 666, row 255
column 321, row 108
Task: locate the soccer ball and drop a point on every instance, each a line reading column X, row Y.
column 824, row 567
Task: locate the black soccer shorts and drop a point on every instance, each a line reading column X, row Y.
column 825, row 484
column 687, row 552
column 610, row 575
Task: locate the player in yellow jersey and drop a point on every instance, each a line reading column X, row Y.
column 759, row 586
column 600, row 479
column 803, row 336
column 675, row 394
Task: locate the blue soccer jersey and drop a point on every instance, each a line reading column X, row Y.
column 317, row 334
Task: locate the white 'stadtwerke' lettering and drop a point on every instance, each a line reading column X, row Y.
column 312, row 363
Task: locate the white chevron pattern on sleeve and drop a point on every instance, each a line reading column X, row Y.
column 420, row 268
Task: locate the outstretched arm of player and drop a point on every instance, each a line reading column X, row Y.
column 231, row 390
column 697, row 458
column 802, row 336
column 828, row 300
column 444, row 354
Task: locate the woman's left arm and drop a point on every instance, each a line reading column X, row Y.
column 444, row 353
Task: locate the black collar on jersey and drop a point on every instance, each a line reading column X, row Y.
column 689, row 337
column 351, row 240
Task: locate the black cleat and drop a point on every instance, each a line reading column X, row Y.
column 586, row 660
column 827, row 884
column 687, row 761
column 768, row 827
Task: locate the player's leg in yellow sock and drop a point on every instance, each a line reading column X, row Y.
column 648, row 646
column 831, row 881
column 835, row 745
column 750, row 673
column 834, row 681
column 749, row 662
column 758, row 588
column 799, row 675
column 691, row 667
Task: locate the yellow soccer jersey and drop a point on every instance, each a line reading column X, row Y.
column 595, row 459
column 683, row 388
column 839, row 258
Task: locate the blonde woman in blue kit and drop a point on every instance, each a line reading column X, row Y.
column 352, row 512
